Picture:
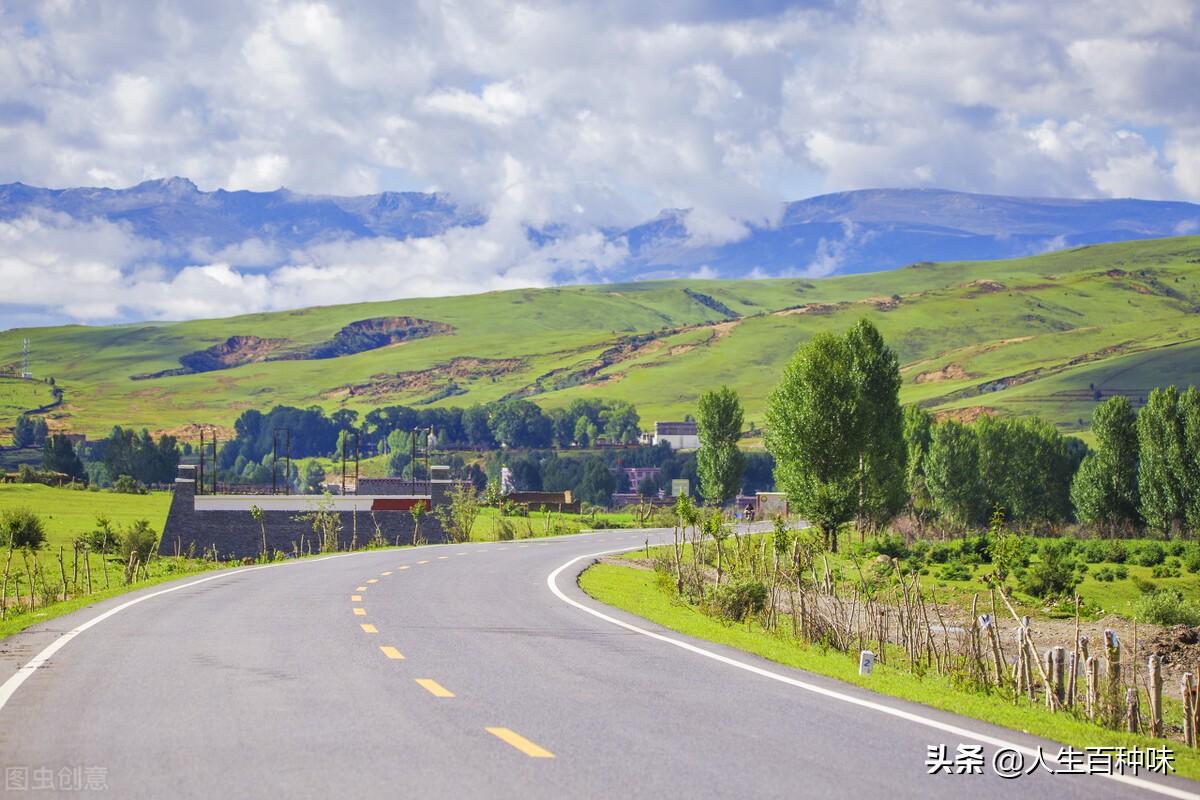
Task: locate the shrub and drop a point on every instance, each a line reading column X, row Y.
column 127, row 485
column 890, row 546
column 956, row 571
column 104, row 538
column 1116, row 552
column 939, row 553
column 20, row 527
column 738, row 599
column 1166, row 607
column 1148, row 554
column 1094, row 551
column 974, row 550
column 1121, row 571
column 1164, row 571
column 1055, row 573
column 140, row 538
column 1191, row 559
column 1104, row 574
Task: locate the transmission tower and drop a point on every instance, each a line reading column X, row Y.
column 25, row 373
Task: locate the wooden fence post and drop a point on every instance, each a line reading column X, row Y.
column 1156, row 683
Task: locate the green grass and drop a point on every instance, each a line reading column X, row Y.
column 1060, row 322
column 69, row 513
column 635, row 590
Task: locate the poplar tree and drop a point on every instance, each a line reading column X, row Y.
column 720, row 463
column 1105, row 489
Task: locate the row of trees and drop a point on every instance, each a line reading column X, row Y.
column 960, row 474
column 1146, row 467
column 514, row 424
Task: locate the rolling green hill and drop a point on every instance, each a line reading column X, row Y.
column 1039, row 335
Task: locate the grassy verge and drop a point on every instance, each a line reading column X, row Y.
column 636, row 591
column 161, row 571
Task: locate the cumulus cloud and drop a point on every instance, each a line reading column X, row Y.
column 586, row 116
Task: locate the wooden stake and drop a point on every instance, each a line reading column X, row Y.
column 1132, row 717
column 1156, row 684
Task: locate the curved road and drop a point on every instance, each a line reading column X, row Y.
column 458, row 671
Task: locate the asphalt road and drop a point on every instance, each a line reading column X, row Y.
column 459, row 671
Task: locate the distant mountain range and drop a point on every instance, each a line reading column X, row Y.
column 848, row 232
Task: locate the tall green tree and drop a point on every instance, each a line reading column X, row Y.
column 1161, row 462
column 918, row 431
column 952, row 472
column 816, row 434
column 1105, row 489
column 29, row 431
column 881, row 494
column 58, row 455
column 720, row 462
column 1188, row 461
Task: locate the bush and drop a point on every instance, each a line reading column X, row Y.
column 140, row 538
column 956, row 571
column 1094, row 551
column 1055, row 573
column 1166, row 607
column 1191, row 559
column 890, row 546
column 20, row 527
column 104, row 538
column 1116, row 552
column 740, row 598
column 939, row 553
column 1104, row 574
column 127, row 485
column 1164, row 571
column 1148, row 554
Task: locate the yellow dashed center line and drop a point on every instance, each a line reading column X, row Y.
column 520, row 742
column 361, row 589
column 373, row 580
column 406, row 566
column 442, row 558
column 460, row 554
column 360, row 612
column 435, row 688
column 385, row 574
column 369, row 628
column 426, row 561
column 356, row 598
column 392, row 652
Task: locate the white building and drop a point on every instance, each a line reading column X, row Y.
column 680, row 435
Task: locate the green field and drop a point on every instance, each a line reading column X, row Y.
column 1038, row 335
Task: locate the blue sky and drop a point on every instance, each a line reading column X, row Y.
column 591, row 115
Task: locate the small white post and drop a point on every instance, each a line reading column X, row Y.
column 866, row 662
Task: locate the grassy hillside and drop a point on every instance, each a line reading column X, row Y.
column 1035, row 335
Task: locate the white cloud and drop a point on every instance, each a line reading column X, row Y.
column 589, row 115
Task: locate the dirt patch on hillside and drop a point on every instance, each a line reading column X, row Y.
column 191, row 432
column 881, row 303
column 438, row 378
column 969, row 415
column 981, row 287
column 808, row 308
column 950, row 372
column 681, row 348
column 723, row 329
column 233, row 352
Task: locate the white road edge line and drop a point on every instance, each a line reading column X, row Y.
column 20, row 676
column 552, row 582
